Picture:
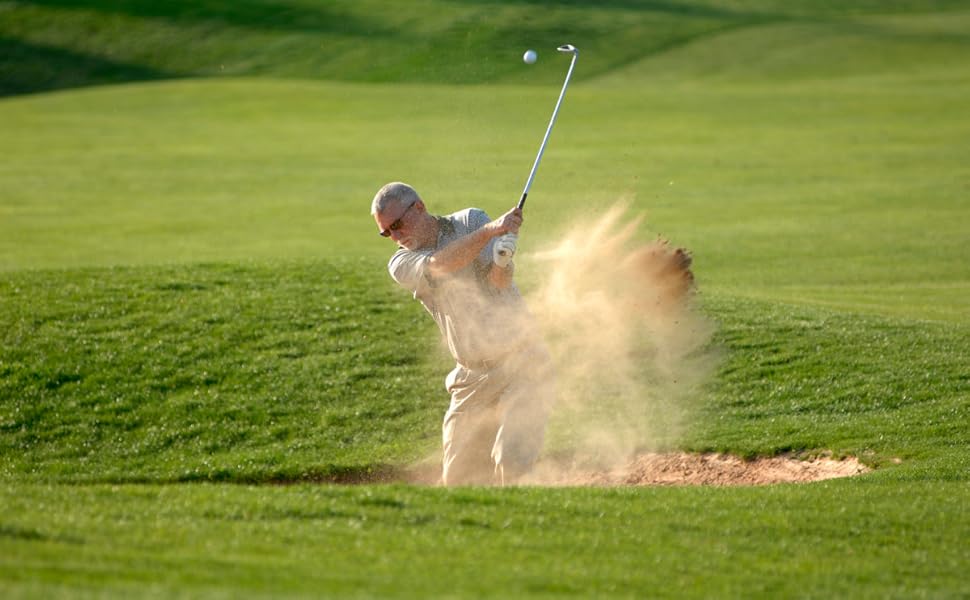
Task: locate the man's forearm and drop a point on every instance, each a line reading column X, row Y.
column 460, row 253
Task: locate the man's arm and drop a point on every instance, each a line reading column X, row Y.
column 460, row 253
column 500, row 277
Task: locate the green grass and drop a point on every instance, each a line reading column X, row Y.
column 52, row 44
column 799, row 378
column 289, row 372
column 220, row 372
column 873, row 538
column 818, row 190
column 197, row 330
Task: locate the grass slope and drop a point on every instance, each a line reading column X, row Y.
column 51, row 44
column 210, row 372
column 289, row 372
column 798, row 378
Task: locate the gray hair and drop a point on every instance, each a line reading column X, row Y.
column 393, row 192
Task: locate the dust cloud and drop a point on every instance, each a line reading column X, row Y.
column 631, row 352
column 630, row 349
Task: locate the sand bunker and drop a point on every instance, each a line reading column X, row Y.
column 677, row 468
column 702, row 469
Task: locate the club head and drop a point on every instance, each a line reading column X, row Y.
column 568, row 48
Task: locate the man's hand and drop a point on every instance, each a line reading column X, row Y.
column 506, row 228
column 507, row 223
column 504, row 249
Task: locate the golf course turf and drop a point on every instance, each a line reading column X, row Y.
column 199, row 336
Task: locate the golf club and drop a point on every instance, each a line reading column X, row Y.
column 552, row 121
column 508, row 252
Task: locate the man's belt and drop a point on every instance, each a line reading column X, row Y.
column 482, row 365
column 491, row 363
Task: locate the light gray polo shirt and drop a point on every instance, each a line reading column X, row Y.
column 478, row 321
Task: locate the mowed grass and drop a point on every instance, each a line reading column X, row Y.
column 324, row 371
column 197, row 328
column 220, row 372
column 54, row 44
column 872, row 538
column 820, row 191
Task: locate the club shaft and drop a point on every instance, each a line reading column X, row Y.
column 545, row 138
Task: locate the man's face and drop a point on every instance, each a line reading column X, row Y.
column 397, row 222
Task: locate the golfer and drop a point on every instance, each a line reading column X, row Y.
column 460, row 268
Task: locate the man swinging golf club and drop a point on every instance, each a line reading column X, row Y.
column 460, row 267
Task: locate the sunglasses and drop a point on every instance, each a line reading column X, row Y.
column 396, row 224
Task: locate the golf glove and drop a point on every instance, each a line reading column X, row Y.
column 504, row 249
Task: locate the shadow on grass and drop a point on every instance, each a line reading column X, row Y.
column 30, row 68
column 27, row 67
column 280, row 15
column 424, row 474
column 681, row 9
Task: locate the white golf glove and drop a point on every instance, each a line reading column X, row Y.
column 504, row 249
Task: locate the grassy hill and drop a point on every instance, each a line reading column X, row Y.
column 287, row 372
column 51, row 44
column 209, row 372
column 196, row 328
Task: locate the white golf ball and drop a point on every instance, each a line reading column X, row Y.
column 529, row 57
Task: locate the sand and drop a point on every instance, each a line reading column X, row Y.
column 678, row 468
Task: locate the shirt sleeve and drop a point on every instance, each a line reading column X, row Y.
column 408, row 269
column 477, row 218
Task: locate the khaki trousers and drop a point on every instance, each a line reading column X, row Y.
column 494, row 429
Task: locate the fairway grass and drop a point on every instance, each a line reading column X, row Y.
column 47, row 44
column 868, row 537
column 811, row 186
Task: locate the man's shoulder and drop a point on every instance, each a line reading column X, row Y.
column 407, row 266
column 469, row 218
column 402, row 254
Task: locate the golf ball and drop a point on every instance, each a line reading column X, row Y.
column 529, row 57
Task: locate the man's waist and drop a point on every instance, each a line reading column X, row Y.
column 484, row 364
